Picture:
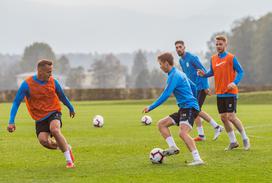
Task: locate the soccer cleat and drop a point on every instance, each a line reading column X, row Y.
column 217, row 131
column 70, row 165
column 246, row 144
column 196, row 163
column 170, row 151
column 198, row 138
column 232, row 146
column 71, row 154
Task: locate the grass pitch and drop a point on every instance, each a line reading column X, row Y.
column 119, row 152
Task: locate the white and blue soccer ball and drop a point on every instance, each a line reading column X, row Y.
column 146, row 120
column 156, row 156
column 98, row 121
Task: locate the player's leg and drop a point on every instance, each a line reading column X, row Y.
column 239, row 126
column 200, row 129
column 46, row 141
column 185, row 129
column 217, row 128
column 163, row 126
column 206, row 117
column 55, row 126
column 223, row 109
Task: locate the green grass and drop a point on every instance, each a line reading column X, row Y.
column 119, row 151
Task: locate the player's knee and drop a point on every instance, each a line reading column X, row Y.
column 55, row 131
column 43, row 141
column 224, row 118
column 160, row 124
column 183, row 134
column 232, row 117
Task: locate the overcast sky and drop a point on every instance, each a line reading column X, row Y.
column 119, row 25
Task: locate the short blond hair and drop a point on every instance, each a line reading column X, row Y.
column 43, row 62
column 222, row 38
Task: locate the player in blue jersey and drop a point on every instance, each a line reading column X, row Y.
column 190, row 64
column 179, row 85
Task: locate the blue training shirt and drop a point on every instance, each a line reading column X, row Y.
column 236, row 66
column 25, row 92
column 190, row 64
column 178, row 84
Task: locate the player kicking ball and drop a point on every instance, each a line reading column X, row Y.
column 179, row 85
column 42, row 95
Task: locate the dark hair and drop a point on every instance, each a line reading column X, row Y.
column 179, row 42
column 44, row 62
column 166, row 57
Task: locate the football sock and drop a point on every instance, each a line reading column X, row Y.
column 196, row 155
column 243, row 134
column 232, row 137
column 170, row 141
column 67, row 156
column 213, row 123
column 200, row 131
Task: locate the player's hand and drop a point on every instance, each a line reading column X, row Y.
column 146, row 110
column 231, row 86
column 200, row 72
column 72, row 114
column 11, row 128
column 208, row 92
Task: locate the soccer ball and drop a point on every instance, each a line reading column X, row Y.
column 98, row 121
column 156, row 156
column 147, row 120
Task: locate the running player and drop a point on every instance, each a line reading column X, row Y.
column 227, row 74
column 190, row 64
column 42, row 94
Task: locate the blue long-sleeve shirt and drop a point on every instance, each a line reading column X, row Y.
column 178, row 84
column 236, row 66
column 25, row 92
column 190, row 64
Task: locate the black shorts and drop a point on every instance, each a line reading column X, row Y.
column 201, row 96
column 44, row 125
column 226, row 104
column 185, row 116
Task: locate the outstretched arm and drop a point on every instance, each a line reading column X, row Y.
column 168, row 90
column 22, row 92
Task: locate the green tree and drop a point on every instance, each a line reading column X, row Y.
column 33, row 53
column 139, row 67
column 75, row 77
column 143, row 79
column 62, row 65
column 157, row 79
column 108, row 72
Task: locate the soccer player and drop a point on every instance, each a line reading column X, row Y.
column 42, row 94
column 227, row 74
column 190, row 64
column 178, row 84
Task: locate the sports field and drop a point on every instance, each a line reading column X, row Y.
column 119, row 152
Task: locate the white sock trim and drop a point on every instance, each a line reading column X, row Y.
column 67, row 156
column 196, row 155
column 232, row 137
column 170, row 141
column 213, row 123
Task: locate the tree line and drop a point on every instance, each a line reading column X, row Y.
column 251, row 41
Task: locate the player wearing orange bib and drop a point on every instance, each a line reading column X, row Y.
column 42, row 94
column 227, row 74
